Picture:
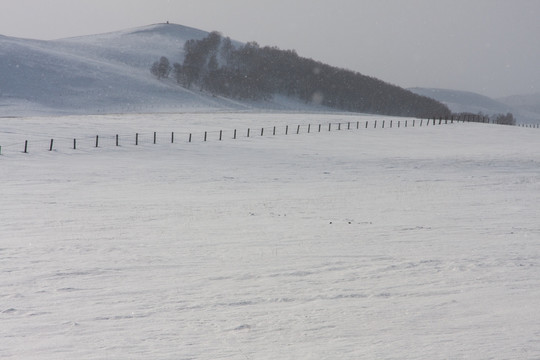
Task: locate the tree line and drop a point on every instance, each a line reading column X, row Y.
column 500, row 119
column 216, row 65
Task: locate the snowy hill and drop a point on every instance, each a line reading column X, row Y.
column 106, row 73
column 465, row 101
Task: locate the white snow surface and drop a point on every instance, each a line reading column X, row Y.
column 394, row 243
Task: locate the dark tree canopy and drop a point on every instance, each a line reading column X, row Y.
column 507, row 119
column 214, row 64
column 161, row 68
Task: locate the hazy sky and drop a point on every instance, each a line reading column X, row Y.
column 487, row 46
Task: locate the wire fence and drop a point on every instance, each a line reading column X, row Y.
column 140, row 138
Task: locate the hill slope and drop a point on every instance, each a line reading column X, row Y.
column 528, row 104
column 464, row 101
column 101, row 74
column 110, row 73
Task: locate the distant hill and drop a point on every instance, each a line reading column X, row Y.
column 106, row 73
column 528, row 105
column 110, row 73
column 464, row 101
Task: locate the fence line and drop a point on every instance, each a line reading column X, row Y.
column 221, row 134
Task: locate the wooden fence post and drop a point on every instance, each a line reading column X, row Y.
column 339, row 126
column 308, row 128
column 97, row 140
column 329, row 126
column 51, row 146
column 383, row 124
column 25, row 146
column 320, row 127
column 74, row 144
column 136, row 138
column 262, row 131
column 366, row 124
column 298, row 129
column 274, row 131
column 205, row 134
column 220, row 134
column 172, row 137
column 234, row 136
column 189, row 137
column 286, row 129
column 155, row 136
column 116, row 139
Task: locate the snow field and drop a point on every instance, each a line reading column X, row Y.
column 372, row 243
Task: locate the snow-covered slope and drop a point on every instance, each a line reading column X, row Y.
column 105, row 73
column 137, row 47
column 369, row 243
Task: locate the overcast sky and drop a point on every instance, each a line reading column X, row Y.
column 487, row 46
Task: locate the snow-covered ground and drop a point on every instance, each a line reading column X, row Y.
column 401, row 243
